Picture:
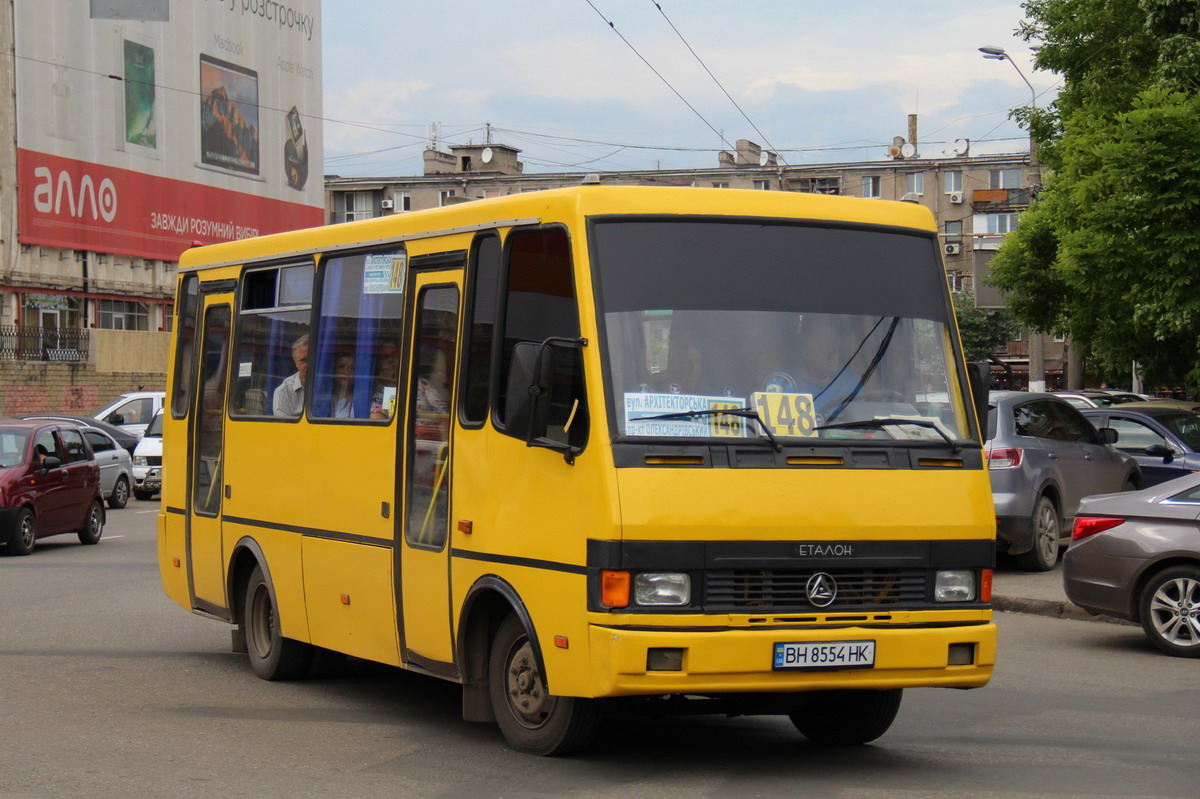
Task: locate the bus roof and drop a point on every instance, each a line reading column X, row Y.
column 560, row 205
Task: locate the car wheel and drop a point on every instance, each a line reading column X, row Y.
column 1044, row 553
column 93, row 524
column 24, row 533
column 272, row 657
column 532, row 719
column 1170, row 611
column 119, row 497
column 845, row 718
column 1131, row 484
column 142, row 495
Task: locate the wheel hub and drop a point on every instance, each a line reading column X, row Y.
column 527, row 697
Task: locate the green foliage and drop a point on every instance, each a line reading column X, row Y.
column 1109, row 253
column 982, row 330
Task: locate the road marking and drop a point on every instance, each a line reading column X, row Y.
column 145, row 511
column 111, row 537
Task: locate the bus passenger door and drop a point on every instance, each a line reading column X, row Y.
column 206, row 558
column 424, row 551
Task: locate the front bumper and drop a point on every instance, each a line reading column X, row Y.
column 720, row 660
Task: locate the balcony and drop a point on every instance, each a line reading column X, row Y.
column 24, row 343
column 997, row 200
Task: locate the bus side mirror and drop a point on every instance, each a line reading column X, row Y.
column 527, row 401
column 978, row 376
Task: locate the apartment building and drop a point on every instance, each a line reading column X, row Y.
column 974, row 198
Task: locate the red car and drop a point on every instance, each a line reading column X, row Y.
column 49, row 485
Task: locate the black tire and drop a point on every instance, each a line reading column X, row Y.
column 1131, row 484
column 142, row 495
column 1169, row 608
column 93, row 524
column 24, row 533
column 845, row 718
column 1047, row 530
column 272, row 657
column 533, row 720
column 119, row 497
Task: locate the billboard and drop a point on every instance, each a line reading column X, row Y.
column 146, row 126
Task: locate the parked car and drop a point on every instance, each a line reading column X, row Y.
column 132, row 411
column 1122, row 397
column 1164, row 440
column 1136, row 556
column 49, row 484
column 1086, row 399
column 127, row 440
column 116, row 467
column 1043, row 458
column 147, row 461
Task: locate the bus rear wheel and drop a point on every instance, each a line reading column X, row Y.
column 533, row 720
column 844, row 718
column 272, row 657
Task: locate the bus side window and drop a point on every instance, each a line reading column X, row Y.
column 540, row 303
column 483, row 286
column 273, row 320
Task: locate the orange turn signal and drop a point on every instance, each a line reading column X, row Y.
column 614, row 589
column 985, row 586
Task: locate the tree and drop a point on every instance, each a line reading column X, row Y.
column 981, row 331
column 1108, row 254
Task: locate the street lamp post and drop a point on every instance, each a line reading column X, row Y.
column 1037, row 351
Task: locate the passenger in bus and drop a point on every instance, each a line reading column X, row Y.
column 342, row 401
column 387, row 375
column 288, row 399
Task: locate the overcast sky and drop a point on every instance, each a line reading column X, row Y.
column 817, row 80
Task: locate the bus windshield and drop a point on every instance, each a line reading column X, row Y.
column 808, row 332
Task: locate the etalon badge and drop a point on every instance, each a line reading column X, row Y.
column 821, row 590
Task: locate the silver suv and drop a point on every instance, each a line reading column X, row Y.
column 1043, row 457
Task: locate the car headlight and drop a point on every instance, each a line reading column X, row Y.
column 140, row 460
column 662, row 588
column 954, row 585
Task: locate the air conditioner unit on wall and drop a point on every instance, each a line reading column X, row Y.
column 956, row 197
column 387, row 205
column 952, row 249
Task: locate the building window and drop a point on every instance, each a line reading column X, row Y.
column 122, row 315
column 444, row 196
column 356, row 205
column 817, row 185
column 403, row 200
column 1000, row 224
column 724, row 184
column 762, row 185
column 168, row 318
column 1004, row 179
column 957, row 281
column 954, row 182
column 870, row 186
column 953, row 231
column 914, row 183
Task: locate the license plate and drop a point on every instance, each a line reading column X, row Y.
column 825, row 655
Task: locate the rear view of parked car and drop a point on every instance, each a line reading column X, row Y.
column 1136, row 556
column 1043, row 458
column 49, row 485
column 116, row 467
column 1163, row 439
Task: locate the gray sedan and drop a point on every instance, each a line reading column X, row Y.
column 1136, row 556
column 1043, row 458
column 116, row 467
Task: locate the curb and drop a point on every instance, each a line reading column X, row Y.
column 1050, row 607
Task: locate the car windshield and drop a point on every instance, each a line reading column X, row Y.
column 1186, row 426
column 155, row 426
column 812, row 332
column 12, row 446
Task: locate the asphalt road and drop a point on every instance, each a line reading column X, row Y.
column 107, row 689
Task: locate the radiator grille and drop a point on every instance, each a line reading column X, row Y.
column 784, row 589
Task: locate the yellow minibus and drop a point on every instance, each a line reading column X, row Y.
column 589, row 448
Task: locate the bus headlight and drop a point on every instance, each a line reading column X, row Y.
column 662, row 588
column 954, row 585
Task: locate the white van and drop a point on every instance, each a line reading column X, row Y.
column 133, row 410
column 147, row 460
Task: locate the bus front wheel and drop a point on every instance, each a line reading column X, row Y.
column 533, row 720
column 272, row 657
column 842, row 718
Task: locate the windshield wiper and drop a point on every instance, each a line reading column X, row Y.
column 745, row 413
column 879, row 424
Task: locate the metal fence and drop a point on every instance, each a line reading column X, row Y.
column 25, row 343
